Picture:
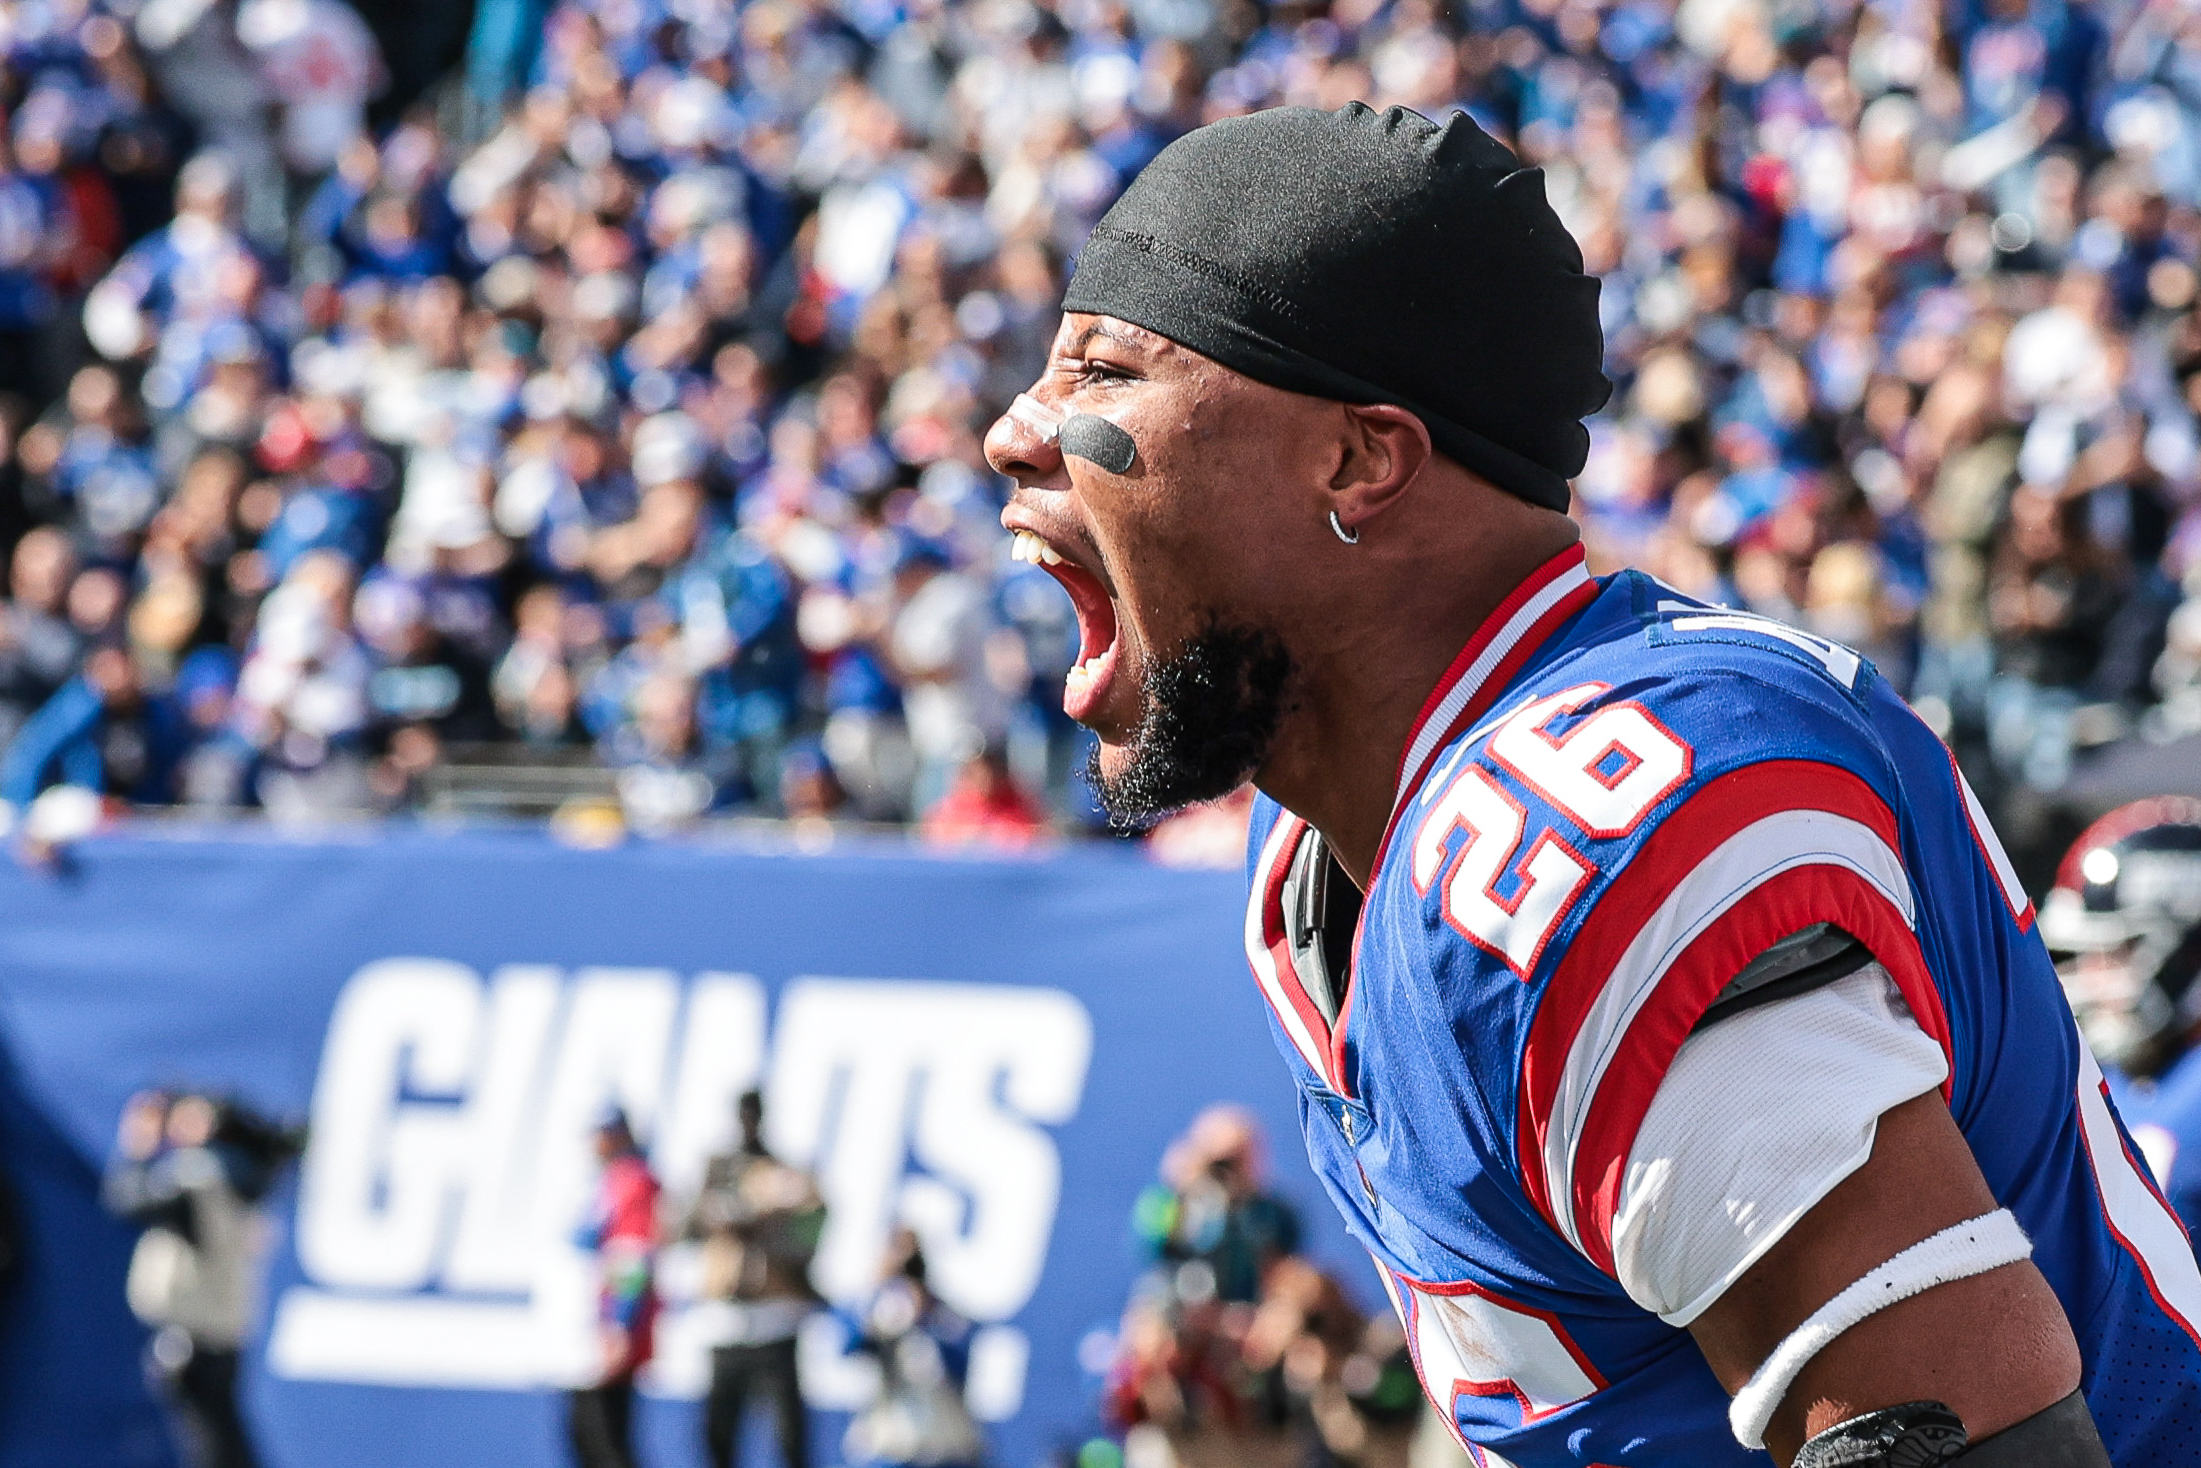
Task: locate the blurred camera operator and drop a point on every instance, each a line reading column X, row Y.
column 923, row 1348
column 1211, row 1209
column 189, row 1170
column 759, row 1221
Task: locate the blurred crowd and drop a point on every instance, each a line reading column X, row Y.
column 1235, row 1347
column 624, row 402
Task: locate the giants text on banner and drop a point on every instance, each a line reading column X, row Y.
column 993, row 1053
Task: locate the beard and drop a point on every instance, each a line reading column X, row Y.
column 1212, row 711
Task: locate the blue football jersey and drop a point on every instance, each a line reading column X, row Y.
column 1614, row 800
column 2165, row 1118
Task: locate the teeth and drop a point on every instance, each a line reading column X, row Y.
column 1081, row 676
column 1025, row 546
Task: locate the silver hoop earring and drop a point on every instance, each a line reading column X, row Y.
column 1352, row 538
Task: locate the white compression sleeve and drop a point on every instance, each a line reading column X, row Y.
column 1957, row 1252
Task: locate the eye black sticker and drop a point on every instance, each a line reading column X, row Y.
column 1100, row 441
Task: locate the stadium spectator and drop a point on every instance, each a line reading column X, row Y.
column 1170, row 1373
column 39, row 649
column 301, row 699
column 759, row 1221
column 320, row 64
column 1236, row 1349
column 2051, row 598
column 621, row 1232
column 101, row 732
column 1181, row 1375
column 984, row 806
column 1329, row 1373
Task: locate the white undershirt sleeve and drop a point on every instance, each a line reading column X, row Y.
column 1758, row 1118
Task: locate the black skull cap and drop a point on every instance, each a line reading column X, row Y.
column 1369, row 257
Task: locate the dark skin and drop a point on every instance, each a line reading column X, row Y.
column 1226, row 513
column 1996, row 1348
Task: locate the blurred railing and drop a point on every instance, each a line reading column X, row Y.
column 514, row 781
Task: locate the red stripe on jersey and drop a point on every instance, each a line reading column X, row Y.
column 1782, row 904
column 1524, row 643
column 1692, row 832
column 1520, row 643
column 1269, row 893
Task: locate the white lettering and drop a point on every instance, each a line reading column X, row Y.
column 852, row 1059
column 450, row 1151
column 377, row 1181
column 721, row 1055
column 501, row 1116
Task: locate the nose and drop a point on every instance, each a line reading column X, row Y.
column 1020, row 447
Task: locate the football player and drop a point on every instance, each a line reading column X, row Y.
column 1665, row 1018
column 2124, row 923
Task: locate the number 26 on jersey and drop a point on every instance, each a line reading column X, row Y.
column 1604, row 774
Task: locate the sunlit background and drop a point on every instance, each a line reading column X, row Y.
column 505, row 618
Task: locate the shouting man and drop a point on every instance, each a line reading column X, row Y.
column 1668, row 1022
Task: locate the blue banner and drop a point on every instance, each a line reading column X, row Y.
column 994, row 1052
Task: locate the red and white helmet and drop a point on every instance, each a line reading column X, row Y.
column 2124, row 923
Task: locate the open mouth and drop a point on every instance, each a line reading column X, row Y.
column 1086, row 687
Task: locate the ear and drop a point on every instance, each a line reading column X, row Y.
column 1384, row 449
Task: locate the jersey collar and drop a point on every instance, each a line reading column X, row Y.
column 1501, row 646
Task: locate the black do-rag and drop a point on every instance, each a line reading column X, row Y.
column 1370, row 258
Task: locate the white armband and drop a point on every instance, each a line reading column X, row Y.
column 1957, row 1252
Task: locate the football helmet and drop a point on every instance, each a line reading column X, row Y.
column 2124, row 925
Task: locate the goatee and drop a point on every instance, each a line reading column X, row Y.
column 1212, row 711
